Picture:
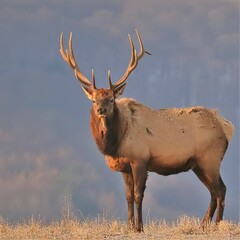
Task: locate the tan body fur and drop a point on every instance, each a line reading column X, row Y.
column 168, row 138
column 169, row 141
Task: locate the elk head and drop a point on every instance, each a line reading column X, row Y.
column 103, row 99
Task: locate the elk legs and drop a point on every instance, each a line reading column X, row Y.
column 217, row 204
column 140, row 177
column 217, row 190
column 129, row 186
column 210, row 212
column 220, row 200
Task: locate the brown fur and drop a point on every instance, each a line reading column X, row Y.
column 106, row 140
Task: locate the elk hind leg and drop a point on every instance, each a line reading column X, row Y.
column 221, row 192
column 213, row 203
column 218, row 191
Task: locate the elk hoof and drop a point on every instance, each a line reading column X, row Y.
column 139, row 229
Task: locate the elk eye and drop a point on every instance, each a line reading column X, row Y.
column 112, row 100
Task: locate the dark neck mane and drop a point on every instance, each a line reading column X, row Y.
column 106, row 137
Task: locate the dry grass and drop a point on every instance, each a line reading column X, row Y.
column 106, row 227
column 102, row 228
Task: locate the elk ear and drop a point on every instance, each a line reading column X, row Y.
column 119, row 90
column 88, row 91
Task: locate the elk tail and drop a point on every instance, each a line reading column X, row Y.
column 227, row 126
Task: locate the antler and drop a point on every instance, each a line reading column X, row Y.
column 132, row 64
column 68, row 56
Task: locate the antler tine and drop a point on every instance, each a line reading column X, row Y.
column 133, row 61
column 72, row 61
column 69, row 58
column 109, row 80
column 65, row 53
column 142, row 51
column 62, row 51
column 93, row 79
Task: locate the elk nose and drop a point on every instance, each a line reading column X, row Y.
column 101, row 111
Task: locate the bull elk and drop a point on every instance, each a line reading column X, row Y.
column 136, row 139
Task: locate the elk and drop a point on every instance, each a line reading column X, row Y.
column 136, row 139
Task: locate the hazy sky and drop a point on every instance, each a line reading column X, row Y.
column 46, row 148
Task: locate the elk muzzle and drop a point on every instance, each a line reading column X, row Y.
column 101, row 111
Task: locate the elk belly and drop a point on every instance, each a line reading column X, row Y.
column 171, row 166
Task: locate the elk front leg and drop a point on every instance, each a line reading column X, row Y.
column 139, row 177
column 129, row 186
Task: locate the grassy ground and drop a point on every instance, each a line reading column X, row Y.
column 101, row 228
